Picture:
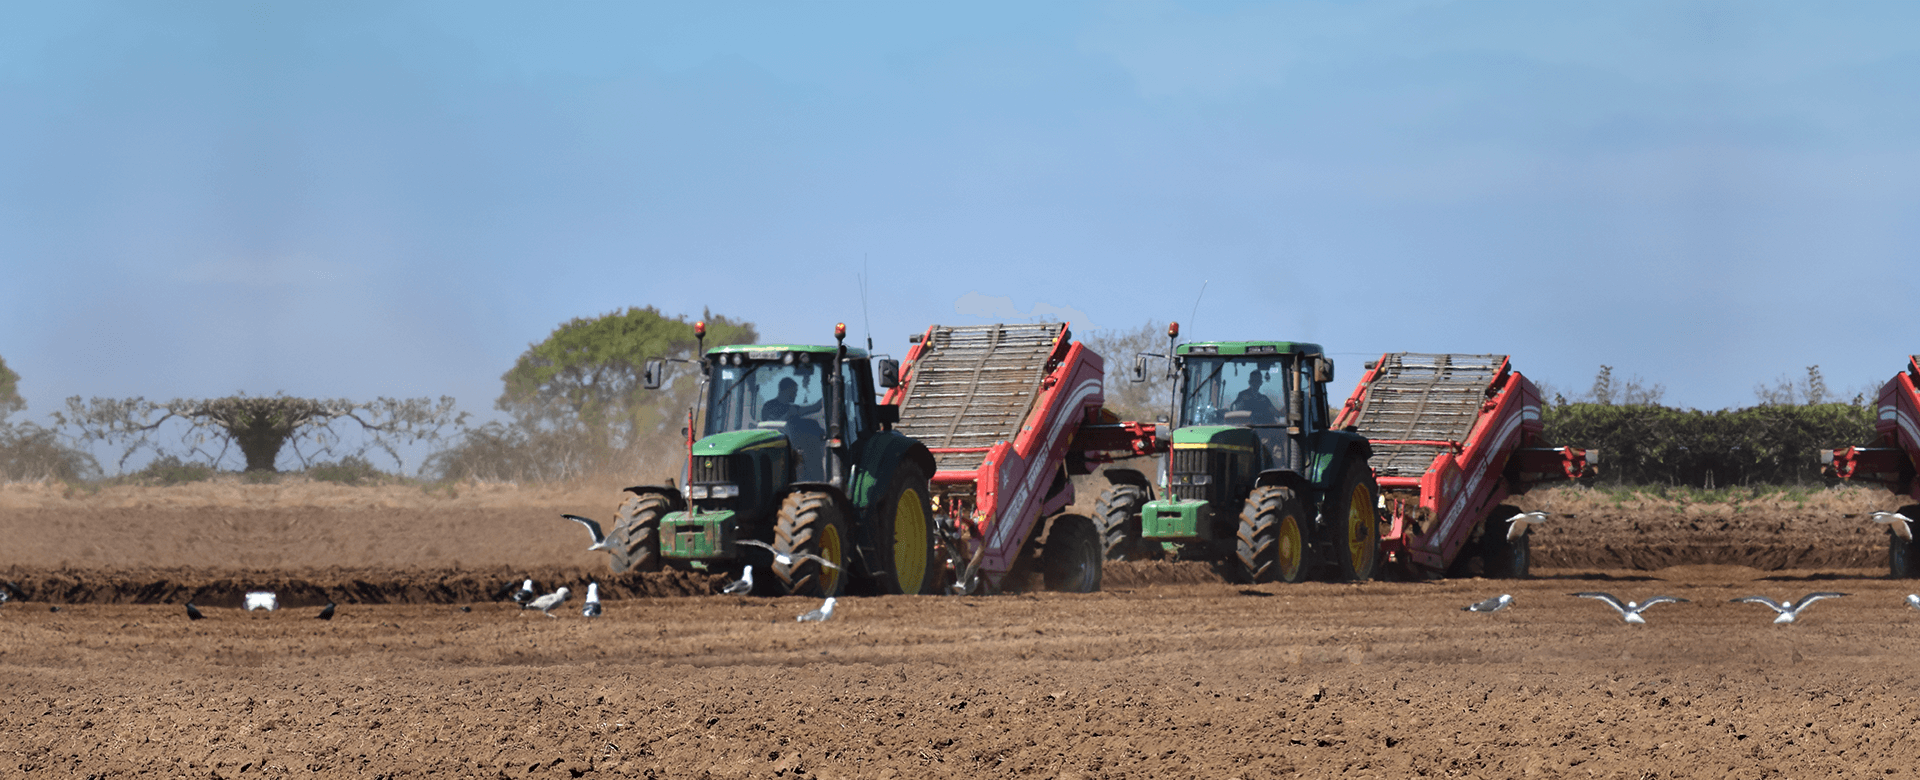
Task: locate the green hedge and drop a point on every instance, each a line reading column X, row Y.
column 1642, row 444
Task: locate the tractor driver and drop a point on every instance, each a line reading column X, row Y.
column 1256, row 402
column 783, row 409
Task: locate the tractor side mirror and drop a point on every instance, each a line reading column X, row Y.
column 1139, row 368
column 886, row 414
column 655, row 374
column 1323, row 369
column 890, row 374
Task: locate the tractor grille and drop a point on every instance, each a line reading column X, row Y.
column 1215, row 464
column 711, row 469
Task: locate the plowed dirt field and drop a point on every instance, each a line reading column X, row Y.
column 1170, row 672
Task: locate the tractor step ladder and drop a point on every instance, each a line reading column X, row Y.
column 1433, row 400
column 972, row 387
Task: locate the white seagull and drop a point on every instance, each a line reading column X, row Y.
column 525, row 593
column 820, row 615
column 1631, row 611
column 1902, row 525
column 599, row 537
column 1913, row 600
column 262, row 599
column 786, row 559
column 1792, row 608
column 742, row 585
column 592, row 609
column 1517, row 524
column 546, row 603
column 1494, row 604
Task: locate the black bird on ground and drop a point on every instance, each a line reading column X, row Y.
column 327, row 613
column 193, row 612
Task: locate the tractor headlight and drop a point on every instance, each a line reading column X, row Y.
column 725, row 491
column 696, row 491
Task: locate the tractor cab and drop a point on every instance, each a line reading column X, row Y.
column 786, row 391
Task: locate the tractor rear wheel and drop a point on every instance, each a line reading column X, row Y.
column 1271, row 545
column 1903, row 560
column 1502, row 558
column 907, row 535
column 810, row 524
column 1118, row 516
column 1070, row 560
column 635, row 541
column 1351, row 513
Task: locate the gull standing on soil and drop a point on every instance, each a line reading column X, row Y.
column 1913, row 600
column 1902, row 525
column 1791, row 609
column 593, row 528
column 1631, row 611
column 327, row 613
column 546, row 603
column 592, row 609
column 525, row 593
column 821, row 615
column 785, row 559
column 193, row 612
column 1494, row 604
column 742, row 585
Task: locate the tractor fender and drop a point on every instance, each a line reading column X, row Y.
column 879, row 455
column 669, row 492
column 1129, row 477
column 1286, row 478
column 1330, row 452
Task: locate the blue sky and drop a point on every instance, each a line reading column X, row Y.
column 362, row 199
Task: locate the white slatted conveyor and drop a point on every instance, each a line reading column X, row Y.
column 1423, row 398
column 973, row 386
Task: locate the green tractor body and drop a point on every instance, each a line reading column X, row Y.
column 1255, row 479
column 796, row 470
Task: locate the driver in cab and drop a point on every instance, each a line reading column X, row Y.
column 783, row 409
column 1257, row 403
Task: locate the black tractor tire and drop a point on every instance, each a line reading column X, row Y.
column 635, row 540
column 1070, row 560
column 1271, row 545
column 1903, row 559
column 1118, row 516
column 1502, row 558
column 1352, row 525
column 810, row 523
column 906, row 536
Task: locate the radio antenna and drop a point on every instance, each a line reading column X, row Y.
column 864, row 320
column 1196, row 304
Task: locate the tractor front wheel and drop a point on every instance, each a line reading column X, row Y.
column 1354, row 524
column 906, row 530
column 1271, row 545
column 810, row 526
column 1070, row 559
column 635, row 541
column 1118, row 515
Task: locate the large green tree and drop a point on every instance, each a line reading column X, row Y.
column 584, row 380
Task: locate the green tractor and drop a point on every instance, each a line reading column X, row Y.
column 795, row 470
column 1256, row 481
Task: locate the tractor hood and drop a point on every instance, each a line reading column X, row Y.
column 739, row 441
column 1214, row 436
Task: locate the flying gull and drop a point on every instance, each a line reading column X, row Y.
column 592, row 609
column 1792, row 609
column 546, row 603
column 1902, row 525
column 193, row 612
column 821, row 615
column 599, row 537
column 1517, row 524
column 1494, row 604
column 742, row 585
column 1631, row 611
column 787, row 559
column 326, row 613
column 525, row 593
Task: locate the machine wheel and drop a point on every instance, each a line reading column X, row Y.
column 810, row 524
column 636, row 533
column 1501, row 558
column 907, row 535
column 1271, row 545
column 1070, row 560
column 1354, row 524
column 1903, row 561
column 1118, row 515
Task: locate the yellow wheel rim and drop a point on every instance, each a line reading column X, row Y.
column 1360, row 528
column 830, row 550
column 1287, row 548
column 909, row 541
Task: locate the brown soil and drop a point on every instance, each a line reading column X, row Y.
column 1169, row 672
